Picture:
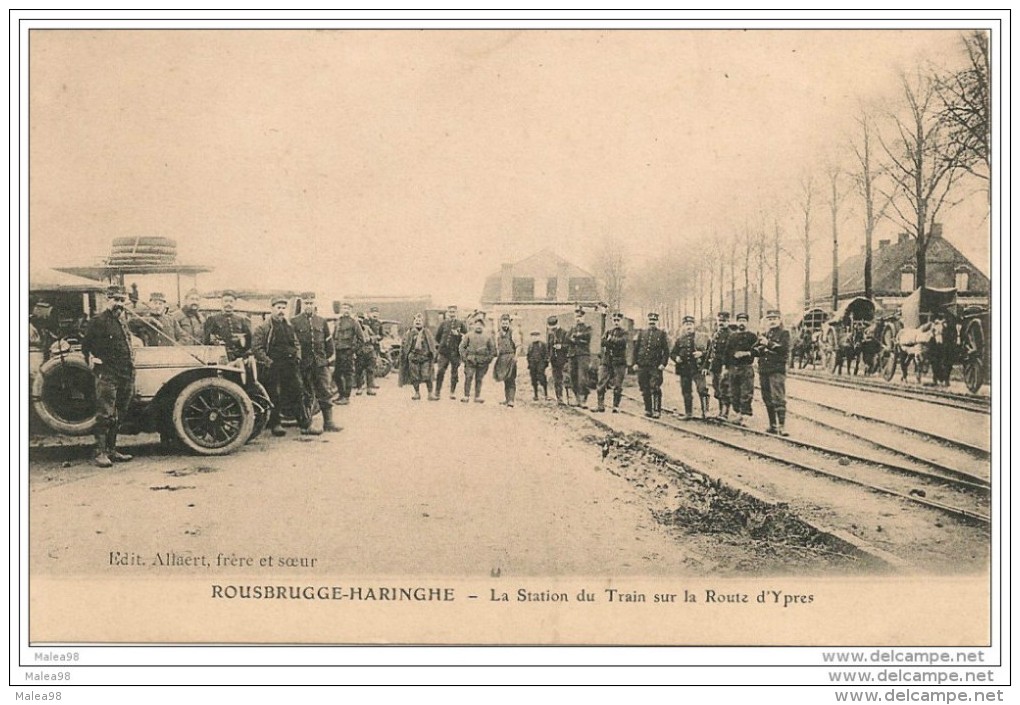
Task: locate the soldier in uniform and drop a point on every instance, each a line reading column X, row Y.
column 772, row 349
column 651, row 353
column 364, row 358
column 613, row 367
column 278, row 352
column 579, row 354
column 373, row 333
column 505, row 369
column 348, row 336
column 477, row 349
column 717, row 364
column 155, row 327
column 690, row 352
column 538, row 360
column 316, row 350
column 558, row 345
column 418, row 358
column 41, row 328
column 190, row 323
column 229, row 329
column 739, row 356
column 448, row 338
column 107, row 349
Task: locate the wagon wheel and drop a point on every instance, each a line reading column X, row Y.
column 213, row 416
column 887, row 359
column 829, row 353
column 974, row 357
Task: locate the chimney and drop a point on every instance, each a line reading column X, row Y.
column 562, row 282
column 936, row 230
column 882, row 244
column 506, row 282
column 903, row 237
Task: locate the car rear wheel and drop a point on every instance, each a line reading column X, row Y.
column 213, row 416
column 64, row 395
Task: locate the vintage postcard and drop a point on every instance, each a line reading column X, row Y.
column 606, row 336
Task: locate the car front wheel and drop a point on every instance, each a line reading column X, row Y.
column 213, row 416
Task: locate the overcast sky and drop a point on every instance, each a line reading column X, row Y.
column 417, row 161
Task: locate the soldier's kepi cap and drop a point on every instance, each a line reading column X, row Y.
column 552, row 320
column 308, row 296
column 578, row 311
column 279, row 300
column 43, row 304
column 505, row 317
column 742, row 316
column 723, row 315
column 653, row 316
column 116, row 292
column 773, row 313
column 228, row 292
column 688, row 319
column 157, row 296
column 374, row 309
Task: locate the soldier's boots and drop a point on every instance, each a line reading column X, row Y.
column 772, row 420
column 781, row 425
column 704, row 407
column 656, row 404
column 739, row 421
column 601, row 406
column 118, row 457
column 358, row 392
column 327, row 420
column 309, row 431
column 102, row 459
column 534, row 396
column 688, row 405
column 724, row 411
column 278, row 431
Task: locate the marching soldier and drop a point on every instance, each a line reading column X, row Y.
column 772, row 349
column 579, row 354
column 717, row 363
column 417, row 358
column 448, row 338
column 558, row 345
column 505, row 369
column 739, row 356
column 107, row 349
column 229, row 329
column 538, row 360
column 651, row 353
column 477, row 349
column 276, row 348
column 155, row 328
column 348, row 336
column 316, row 349
column 190, row 323
column 690, row 352
column 613, row 368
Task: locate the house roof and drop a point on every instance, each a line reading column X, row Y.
column 887, row 262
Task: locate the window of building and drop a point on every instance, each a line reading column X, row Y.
column 962, row 279
column 907, row 279
column 583, row 289
column 550, row 289
column 524, row 289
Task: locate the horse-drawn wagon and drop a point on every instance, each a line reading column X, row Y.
column 849, row 336
column 806, row 333
column 909, row 334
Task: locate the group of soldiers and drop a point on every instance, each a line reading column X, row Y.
column 300, row 360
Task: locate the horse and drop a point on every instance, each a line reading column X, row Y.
column 847, row 348
column 912, row 346
column 805, row 349
column 870, row 346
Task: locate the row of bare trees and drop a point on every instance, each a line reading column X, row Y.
column 903, row 164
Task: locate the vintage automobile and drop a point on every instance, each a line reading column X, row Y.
column 186, row 393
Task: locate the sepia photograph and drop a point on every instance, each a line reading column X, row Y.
column 587, row 336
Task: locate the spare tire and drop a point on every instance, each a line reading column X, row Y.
column 64, row 395
column 144, row 240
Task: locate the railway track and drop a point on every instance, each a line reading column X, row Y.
column 976, row 451
column 965, row 402
column 734, row 437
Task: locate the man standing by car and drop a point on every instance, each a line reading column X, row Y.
column 155, row 327
column 316, row 350
column 348, row 336
column 772, row 349
column 448, row 337
column 229, row 329
column 190, row 323
column 107, row 350
column 276, row 348
column 579, row 354
column 651, row 353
